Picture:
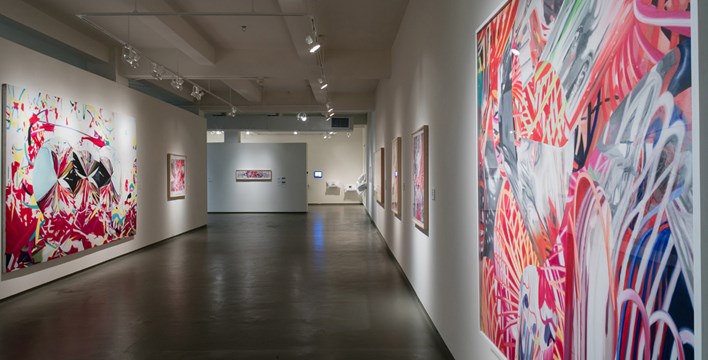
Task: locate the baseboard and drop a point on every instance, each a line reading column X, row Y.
column 439, row 338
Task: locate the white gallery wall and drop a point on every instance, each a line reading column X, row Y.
column 341, row 158
column 161, row 129
column 433, row 83
column 286, row 161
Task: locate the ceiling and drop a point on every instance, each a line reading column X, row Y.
column 254, row 54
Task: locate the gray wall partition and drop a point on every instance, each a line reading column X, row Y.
column 286, row 192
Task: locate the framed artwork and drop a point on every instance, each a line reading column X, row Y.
column 254, row 175
column 586, row 233
column 379, row 185
column 69, row 177
column 177, row 171
column 420, row 179
column 395, row 177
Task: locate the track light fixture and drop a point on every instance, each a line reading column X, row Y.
column 197, row 92
column 302, row 116
column 158, row 71
column 177, row 83
column 314, row 44
column 131, row 56
column 324, row 86
column 232, row 113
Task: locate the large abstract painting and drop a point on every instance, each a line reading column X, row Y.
column 69, row 178
column 585, row 179
column 177, row 174
column 379, row 187
column 395, row 177
column 420, row 179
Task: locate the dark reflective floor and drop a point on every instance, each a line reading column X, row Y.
column 249, row 286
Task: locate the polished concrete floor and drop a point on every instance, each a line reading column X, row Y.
column 249, row 286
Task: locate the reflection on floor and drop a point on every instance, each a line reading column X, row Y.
column 248, row 286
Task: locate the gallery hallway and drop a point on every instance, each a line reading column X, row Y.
column 249, row 286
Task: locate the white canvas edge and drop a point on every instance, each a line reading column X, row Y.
column 696, row 148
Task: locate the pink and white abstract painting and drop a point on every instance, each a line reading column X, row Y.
column 177, row 167
column 420, row 179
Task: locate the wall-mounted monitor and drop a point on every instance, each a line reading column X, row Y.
column 318, row 174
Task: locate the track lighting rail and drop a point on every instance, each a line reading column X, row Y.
column 190, row 13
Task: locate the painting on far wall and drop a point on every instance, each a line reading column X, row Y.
column 379, row 185
column 420, row 179
column 254, row 175
column 70, row 177
column 586, row 233
column 395, row 177
column 177, row 170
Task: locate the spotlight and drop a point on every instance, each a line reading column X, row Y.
column 131, row 56
column 233, row 111
column 324, row 86
column 197, row 93
column 294, row 132
column 302, row 116
column 157, row 71
column 330, row 110
column 314, row 45
column 248, row 133
column 177, row 83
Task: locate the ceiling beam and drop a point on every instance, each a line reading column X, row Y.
column 296, row 102
column 298, row 28
column 180, row 34
column 319, row 94
column 268, row 63
column 46, row 24
column 247, row 88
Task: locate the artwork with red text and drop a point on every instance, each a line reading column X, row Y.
column 177, row 167
column 254, row 175
column 586, row 234
column 420, row 179
column 70, row 177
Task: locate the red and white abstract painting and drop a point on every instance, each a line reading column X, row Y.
column 586, row 234
column 254, row 175
column 420, row 179
column 177, row 167
column 70, row 177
